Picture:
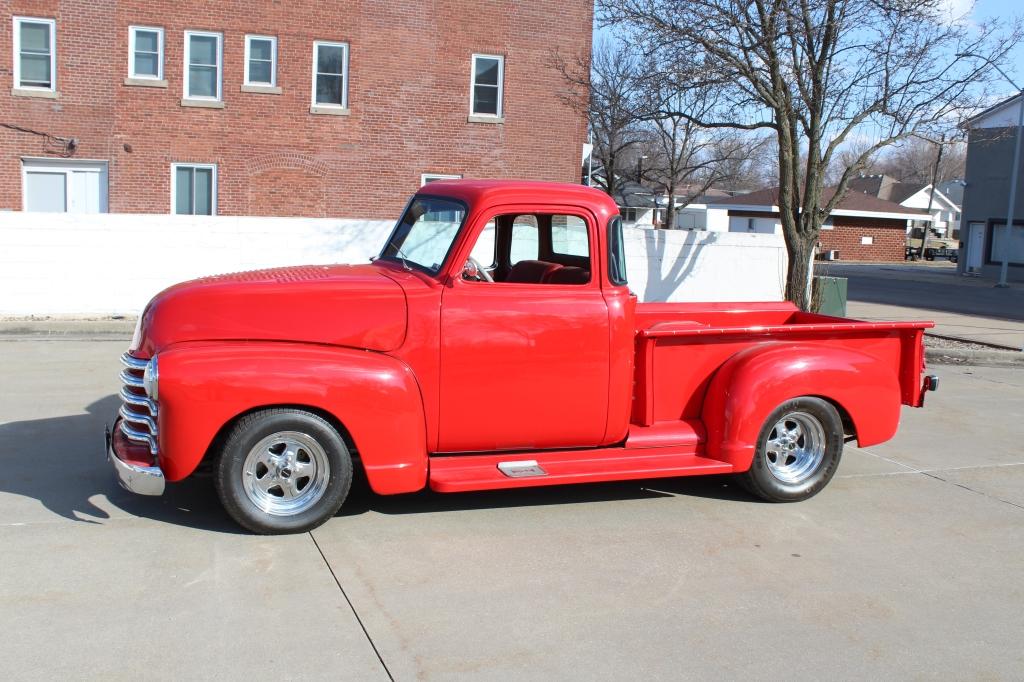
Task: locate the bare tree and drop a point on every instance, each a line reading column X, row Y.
column 914, row 160
column 685, row 159
column 817, row 73
column 607, row 89
column 748, row 161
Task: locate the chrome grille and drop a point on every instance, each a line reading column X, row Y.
column 138, row 412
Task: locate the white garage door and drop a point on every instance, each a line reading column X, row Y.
column 63, row 186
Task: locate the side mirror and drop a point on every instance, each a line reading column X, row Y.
column 470, row 271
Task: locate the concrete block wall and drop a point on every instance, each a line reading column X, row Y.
column 79, row 265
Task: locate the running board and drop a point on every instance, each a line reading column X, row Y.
column 463, row 473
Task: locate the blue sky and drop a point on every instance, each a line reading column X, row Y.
column 983, row 9
column 1005, row 9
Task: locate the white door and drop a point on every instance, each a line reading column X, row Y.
column 64, row 186
column 975, row 246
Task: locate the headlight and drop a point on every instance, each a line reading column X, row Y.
column 137, row 335
column 151, row 379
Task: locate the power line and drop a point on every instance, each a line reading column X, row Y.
column 67, row 145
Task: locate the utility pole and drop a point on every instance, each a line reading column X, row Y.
column 931, row 195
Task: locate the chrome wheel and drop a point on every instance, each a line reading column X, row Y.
column 286, row 473
column 795, row 447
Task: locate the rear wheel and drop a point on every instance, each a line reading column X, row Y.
column 283, row 471
column 798, row 450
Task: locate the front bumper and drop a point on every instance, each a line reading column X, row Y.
column 133, row 476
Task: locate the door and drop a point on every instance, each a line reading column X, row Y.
column 524, row 364
column 975, row 247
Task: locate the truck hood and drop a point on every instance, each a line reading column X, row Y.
column 345, row 305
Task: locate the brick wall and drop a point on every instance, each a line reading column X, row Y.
column 888, row 237
column 408, row 93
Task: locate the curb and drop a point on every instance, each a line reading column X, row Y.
column 986, row 358
column 66, row 329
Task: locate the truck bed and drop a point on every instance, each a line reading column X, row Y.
column 680, row 346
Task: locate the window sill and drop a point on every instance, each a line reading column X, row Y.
column 325, row 110
column 202, row 103
column 145, row 82
column 30, row 92
column 262, row 89
column 476, row 118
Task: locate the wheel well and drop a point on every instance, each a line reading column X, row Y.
column 849, row 430
column 217, row 444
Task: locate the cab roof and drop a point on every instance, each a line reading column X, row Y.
column 475, row 192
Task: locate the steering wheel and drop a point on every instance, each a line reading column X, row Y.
column 480, row 272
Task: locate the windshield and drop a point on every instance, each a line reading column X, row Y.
column 426, row 232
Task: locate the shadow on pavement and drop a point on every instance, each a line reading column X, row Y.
column 60, row 462
column 362, row 499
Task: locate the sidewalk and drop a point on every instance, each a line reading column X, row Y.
column 988, row 330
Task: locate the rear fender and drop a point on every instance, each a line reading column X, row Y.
column 758, row 379
column 376, row 398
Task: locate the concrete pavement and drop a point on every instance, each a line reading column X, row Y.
column 906, row 566
column 962, row 307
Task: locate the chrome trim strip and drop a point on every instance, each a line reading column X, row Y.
column 139, row 401
column 137, row 479
column 132, row 380
column 134, row 418
column 132, row 362
column 139, row 437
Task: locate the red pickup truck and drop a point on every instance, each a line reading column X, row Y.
column 494, row 343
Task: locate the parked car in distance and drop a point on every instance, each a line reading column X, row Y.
column 494, row 343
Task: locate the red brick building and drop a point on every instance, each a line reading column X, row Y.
column 278, row 108
column 860, row 228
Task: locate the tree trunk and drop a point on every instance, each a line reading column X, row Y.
column 670, row 210
column 801, row 264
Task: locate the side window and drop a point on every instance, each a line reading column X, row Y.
column 569, row 236
column 525, row 239
column 616, row 252
column 483, row 251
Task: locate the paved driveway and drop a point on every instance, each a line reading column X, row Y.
column 907, row 566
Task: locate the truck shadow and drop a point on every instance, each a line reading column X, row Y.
column 362, row 500
column 61, row 462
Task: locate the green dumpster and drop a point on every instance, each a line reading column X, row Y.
column 830, row 296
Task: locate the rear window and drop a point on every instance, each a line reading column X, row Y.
column 569, row 236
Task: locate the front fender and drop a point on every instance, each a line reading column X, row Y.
column 376, row 397
column 758, row 379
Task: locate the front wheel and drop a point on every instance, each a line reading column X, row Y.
column 283, row 471
column 798, row 450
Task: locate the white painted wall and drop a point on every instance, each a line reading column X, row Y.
column 685, row 265
column 62, row 264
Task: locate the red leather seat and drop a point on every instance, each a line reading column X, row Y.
column 531, row 271
column 568, row 275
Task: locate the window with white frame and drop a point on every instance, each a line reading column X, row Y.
column 202, row 66
column 261, row 60
column 486, row 85
column 35, row 53
column 146, row 52
column 194, row 189
column 434, row 177
column 330, row 74
column 64, row 186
